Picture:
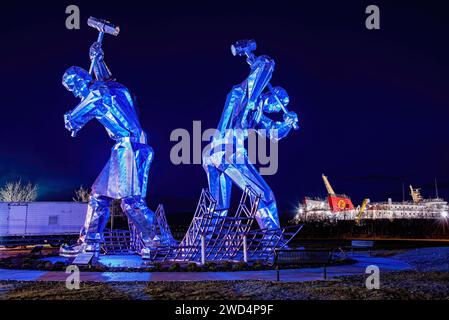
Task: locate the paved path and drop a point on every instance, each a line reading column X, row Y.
column 290, row 275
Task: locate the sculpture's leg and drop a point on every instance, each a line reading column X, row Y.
column 245, row 174
column 91, row 234
column 144, row 158
column 220, row 186
column 142, row 217
column 96, row 219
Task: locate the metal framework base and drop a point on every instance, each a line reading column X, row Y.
column 211, row 236
column 129, row 241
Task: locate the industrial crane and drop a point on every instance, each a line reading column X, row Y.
column 362, row 210
column 329, row 189
column 337, row 203
column 416, row 194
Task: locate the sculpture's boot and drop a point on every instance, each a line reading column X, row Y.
column 143, row 219
column 78, row 248
column 150, row 246
column 92, row 233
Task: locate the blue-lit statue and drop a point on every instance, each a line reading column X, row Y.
column 246, row 107
column 125, row 175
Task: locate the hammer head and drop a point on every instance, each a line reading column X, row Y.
column 103, row 26
column 243, row 47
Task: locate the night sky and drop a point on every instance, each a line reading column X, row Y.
column 373, row 105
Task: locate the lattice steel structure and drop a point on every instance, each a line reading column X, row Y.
column 118, row 242
column 164, row 237
column 130, row 241
column 213, row 237
column 261, row 243
column 223, row 236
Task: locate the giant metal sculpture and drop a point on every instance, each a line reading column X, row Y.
column 125, row 175
column 246, row 108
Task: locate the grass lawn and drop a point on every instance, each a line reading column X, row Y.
column 396, row 285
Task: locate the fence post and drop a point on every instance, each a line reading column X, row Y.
column 203, row 250
column 276, row 262
column 245, row 250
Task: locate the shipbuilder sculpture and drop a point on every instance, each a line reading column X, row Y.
column 247, row 107
column 125, row 175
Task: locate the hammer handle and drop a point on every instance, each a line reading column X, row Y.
column 94, row 60
column 270, row 87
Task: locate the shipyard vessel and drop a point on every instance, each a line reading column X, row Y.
column 336, row 216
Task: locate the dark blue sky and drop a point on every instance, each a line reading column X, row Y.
column 373, row 105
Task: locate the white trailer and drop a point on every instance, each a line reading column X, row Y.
column 40, row 222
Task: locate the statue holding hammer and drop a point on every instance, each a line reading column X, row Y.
column 247, row 107
column 125, row 175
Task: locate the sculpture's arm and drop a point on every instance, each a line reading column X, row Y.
column 276, row 130
column 101, row 70
column 232, row 100
column 262, row 68
column 261, row 71
column 75, row 119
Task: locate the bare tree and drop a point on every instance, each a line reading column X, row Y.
column 18, row 192
column 81, row 195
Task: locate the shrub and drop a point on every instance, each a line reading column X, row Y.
column 175, row 267
column 81, row 195
column 18, row 192
column 193, row 267
column 48, row 265
column 157, row 267
column 240, row 266
column 97, row 268
column 227, row 266
column 27, row 261
column 40, row 265
column 58, row 266
column 258, row 266
column 210, row 266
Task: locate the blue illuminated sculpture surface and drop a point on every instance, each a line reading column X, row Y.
column 125, row 175
column 246, row 107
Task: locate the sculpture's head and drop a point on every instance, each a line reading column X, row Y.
column 77, row 80
column 270, row 103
